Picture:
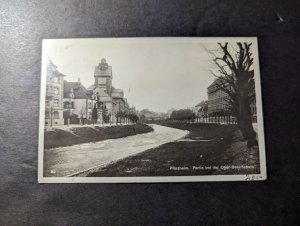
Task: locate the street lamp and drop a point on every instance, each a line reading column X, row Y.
column 69, row 110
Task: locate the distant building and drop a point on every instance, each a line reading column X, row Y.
column 202, row 109
column 218, row 100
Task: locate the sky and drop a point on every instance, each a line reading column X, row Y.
column 154, row 73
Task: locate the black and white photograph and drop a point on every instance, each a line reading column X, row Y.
column 118, row 110
column 148, row 112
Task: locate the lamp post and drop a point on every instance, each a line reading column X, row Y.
column 51, row 111
column 69, row 109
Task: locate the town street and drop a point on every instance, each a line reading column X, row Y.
column 76, row 159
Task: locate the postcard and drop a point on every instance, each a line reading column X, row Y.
column 148, row 110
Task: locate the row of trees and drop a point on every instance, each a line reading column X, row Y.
column 183, row 114
column 122, row 115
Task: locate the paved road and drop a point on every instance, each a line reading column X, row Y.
column 67, row 161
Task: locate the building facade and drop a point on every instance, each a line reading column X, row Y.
column 218, row 101
column 71, row 103
column 54, row 96
column 112, row 100
column 78, row 103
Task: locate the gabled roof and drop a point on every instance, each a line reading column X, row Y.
column 104, row 97
column 52, row 69
column 80, row 92
column 91, row 87
column 50, row 63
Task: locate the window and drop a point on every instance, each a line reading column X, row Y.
column 56, row 90
column 66, row 104
column 47, row 115
column 55, row 115
column 55, row 79
column 56, row 102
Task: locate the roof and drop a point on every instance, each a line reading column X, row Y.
column 50, row 63
column 202, row 103
column 52, row 69
column 103, row 95
column 117, row 93
column 80, row 92
column 91, row 87
column 219, row 81
column 214, row 83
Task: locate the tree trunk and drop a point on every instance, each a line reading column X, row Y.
column 245, row 120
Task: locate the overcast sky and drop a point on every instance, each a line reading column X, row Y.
column 155, row 73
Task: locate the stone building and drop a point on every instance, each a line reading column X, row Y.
column 112, row 99
column 218, row 101
column 54, row 96
column 71, row 103
column 78, row 103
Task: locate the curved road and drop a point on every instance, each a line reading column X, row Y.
column 76, row 159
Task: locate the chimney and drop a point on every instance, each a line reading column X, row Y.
column 78, row 83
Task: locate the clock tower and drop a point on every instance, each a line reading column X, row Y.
column 103, row 76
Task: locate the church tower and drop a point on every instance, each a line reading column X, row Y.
column 103, row 76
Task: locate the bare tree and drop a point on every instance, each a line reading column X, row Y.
column 236, row 79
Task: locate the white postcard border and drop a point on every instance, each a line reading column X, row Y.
column 158, row 179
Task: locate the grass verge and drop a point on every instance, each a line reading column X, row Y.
column 78, row 135
column 209, row 149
